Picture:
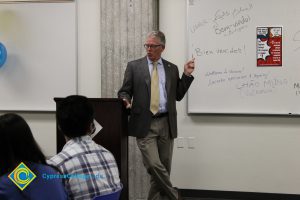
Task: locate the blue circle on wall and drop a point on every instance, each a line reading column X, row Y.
column 3, row 54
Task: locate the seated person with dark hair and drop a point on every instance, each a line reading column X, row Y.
column 91, row 169
column 17, row 145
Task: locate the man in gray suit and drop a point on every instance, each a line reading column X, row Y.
column 150, row 89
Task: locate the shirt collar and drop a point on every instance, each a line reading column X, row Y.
column 150, row 62
column 77, row 139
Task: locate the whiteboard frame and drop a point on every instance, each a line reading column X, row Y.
column 49, row 104
column 200, row 112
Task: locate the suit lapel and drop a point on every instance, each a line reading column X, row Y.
column 167, row 68
column 146, row 74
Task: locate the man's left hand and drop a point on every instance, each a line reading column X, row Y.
column 189, row 67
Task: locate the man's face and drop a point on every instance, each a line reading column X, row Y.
column 154, row 48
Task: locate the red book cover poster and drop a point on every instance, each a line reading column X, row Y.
column 269, row 46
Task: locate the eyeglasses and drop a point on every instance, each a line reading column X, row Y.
column 151, row 46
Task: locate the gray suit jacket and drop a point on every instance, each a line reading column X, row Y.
column 136, row 87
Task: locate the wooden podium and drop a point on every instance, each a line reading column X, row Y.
column 111, row 115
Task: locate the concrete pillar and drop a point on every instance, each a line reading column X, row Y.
column 124, row 26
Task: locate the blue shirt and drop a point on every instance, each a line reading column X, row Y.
column 39, row 188
column 162, row 84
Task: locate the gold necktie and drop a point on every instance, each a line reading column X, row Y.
column 154, row 102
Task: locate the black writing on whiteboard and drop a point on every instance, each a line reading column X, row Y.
column 245, row 83
column 222, row 14
column 297, row 88
column 230, row 28
column 296, row 39
column 234, row 50
column 225, row 22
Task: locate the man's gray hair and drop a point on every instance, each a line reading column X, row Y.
column 160, row 35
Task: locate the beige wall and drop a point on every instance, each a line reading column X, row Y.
column 235, row 153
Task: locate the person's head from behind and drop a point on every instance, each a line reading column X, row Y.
column 155, row 45
column 75, row 116
column 17, row 143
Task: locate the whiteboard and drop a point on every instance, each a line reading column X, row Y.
column 222, row 36
column 40, row 39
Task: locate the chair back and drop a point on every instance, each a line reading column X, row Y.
column 112, row 196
